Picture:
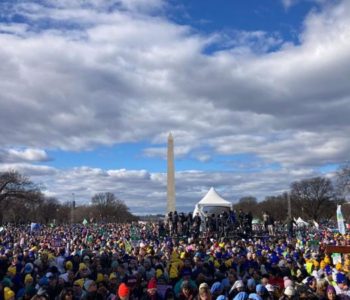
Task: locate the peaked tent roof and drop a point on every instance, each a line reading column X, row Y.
column 213, row 198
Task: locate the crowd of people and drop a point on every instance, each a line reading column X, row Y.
column 217, row 225
column 158, row 260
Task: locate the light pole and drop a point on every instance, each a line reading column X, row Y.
column 72, row 209
column 289, row 206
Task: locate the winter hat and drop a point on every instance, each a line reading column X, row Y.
column 238, row 284
column 327, row 260
column 270, row 288
column 8, row 294
column 28, row 278
column 340, row 278
column 241, row 296
column 79, row 282
column 328, row 270
column 338, row 266
column 123, row 290
column 310, row 279
column 43, row 281
column 254, row 296
column 69, row 265
column 216, row 287
column 12, row 270
column 251, row 283
column 289, row 291
column 152, row 284
column 87, row 284
column 260, row 289
column 82, row 267
column 99, row 277
column 287, row 283
column 159, row 273
column 28, row 268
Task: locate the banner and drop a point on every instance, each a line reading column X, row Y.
column 34, row 227
column 340, row 219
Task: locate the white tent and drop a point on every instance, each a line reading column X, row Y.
column 211, row 200
column 300, row 222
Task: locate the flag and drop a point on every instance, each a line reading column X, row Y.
column 316, row 225
column 34, row 227
column 85, row 222
column 340, row 219
column 128, row 246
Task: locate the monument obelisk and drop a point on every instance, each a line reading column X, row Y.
column 170, row 176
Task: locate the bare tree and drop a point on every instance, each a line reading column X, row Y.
column 343, row 181
column 16, row 190
column 275, row 206
column 106, row 207
column 315, row 197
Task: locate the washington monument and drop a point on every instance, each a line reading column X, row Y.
column 171, row 203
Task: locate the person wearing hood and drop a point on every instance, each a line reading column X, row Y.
column 254, row 296
column 90, row 290
column 241, row 296
column 262, row 292
column 216, row 289
column 251, row 285
column 237, row 288
column 289, row 293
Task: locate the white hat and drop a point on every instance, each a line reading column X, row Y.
column 238, row 284
column 270, row 288
column 289, row 291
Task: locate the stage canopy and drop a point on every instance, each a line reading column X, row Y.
column 212, row 202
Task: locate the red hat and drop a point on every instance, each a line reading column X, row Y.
column 152, row 284
column 123, row 290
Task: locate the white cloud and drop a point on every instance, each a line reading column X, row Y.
column 110, row 76
column 25, row 155
column 145, row 192
column 289, row 3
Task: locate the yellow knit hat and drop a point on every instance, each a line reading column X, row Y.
column 338, row 266
column 69, row 265
column 28, row 278
column 8, row 294
column 159, row 273
column 99, row 277
column 82, row 266
column 12, row 270
column 327, row 260
column 79, row 282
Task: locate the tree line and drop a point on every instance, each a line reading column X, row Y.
column 311, row 199
column 22, row 201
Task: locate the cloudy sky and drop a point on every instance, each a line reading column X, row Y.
column 256, row 94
